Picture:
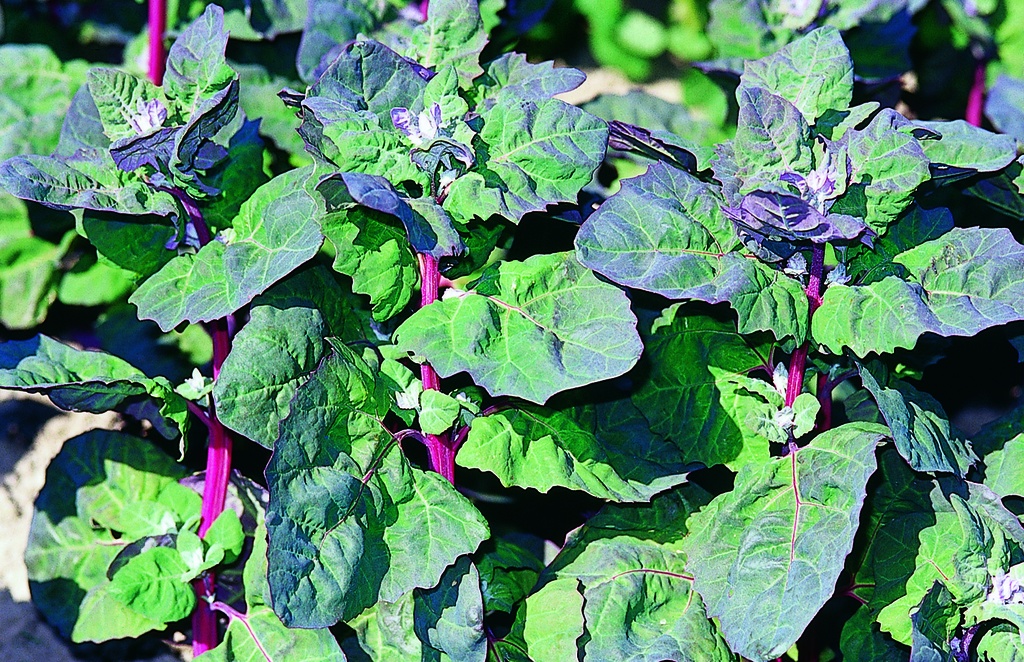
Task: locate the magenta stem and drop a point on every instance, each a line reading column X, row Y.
column 424, row 8
column 440, row 450
column 205, row 634
column 157, row 28
column 976, row 97
column 798, row 362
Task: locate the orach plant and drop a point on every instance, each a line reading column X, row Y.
column 366, row 304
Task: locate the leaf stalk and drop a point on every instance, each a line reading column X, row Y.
column 157, row 28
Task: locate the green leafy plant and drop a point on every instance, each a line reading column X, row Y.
column 717, row 366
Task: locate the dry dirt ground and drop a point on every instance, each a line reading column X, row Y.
column 32, row 431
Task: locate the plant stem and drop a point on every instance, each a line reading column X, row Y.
column 798, row 362
column 157, row 28
column 440, row 449
column 218, row 456
column 976, row 97
column 424, row 8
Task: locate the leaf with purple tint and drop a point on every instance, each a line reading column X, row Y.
column 664, row 232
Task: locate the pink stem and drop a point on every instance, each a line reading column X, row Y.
column 157, row 28
column 439, row 447
column 798, row 362
column 205, row 634
column 424, row 7
column 976, row 97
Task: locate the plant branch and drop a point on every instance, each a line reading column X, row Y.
column 200, row 413
column 157, row 28
column 440, row 449
column 218, row 453
column 976, row 97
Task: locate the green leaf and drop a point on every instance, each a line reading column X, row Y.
column 664, row 232
column 934, row 624
column 915, row 226
column 699, row 393
column 639, row 603
column 862, row 641
column 604, row 450
column 135, row 245
column 765, row 557
column 81, row 380
column 91, row 488
column 529, row 154
column 966, row 280
column 35, row 91
column 259, row 634
column 965, row 146
column 28, row 279
column 270, row 356
column 227, row 532
column 509, row 567
column 372, row 248
column 350, row 522
column 888, row 165
column 1000, row 444
column 151, row 584
column 918, row 424
column 92, row 283
column 453, row 35
column 438, row 411
column 814, row 73
column 530, row 329
column 450, row 617
column 276, row 231
column 549, row 623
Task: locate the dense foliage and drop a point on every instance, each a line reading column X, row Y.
column 417, row 286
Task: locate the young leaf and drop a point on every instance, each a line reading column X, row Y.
column 276, row 231
column 919, row 426
column 886, row 167
column 151, row 584
column 664, row 232
column 966, row 280
column 81, row 380
column 772, row 138
column 803, row 511
column 604, row 450
column 814, row 73
column 638, row 600
column 453, row 35
column 529, row 154
column 196, row 68
column 529, row 329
